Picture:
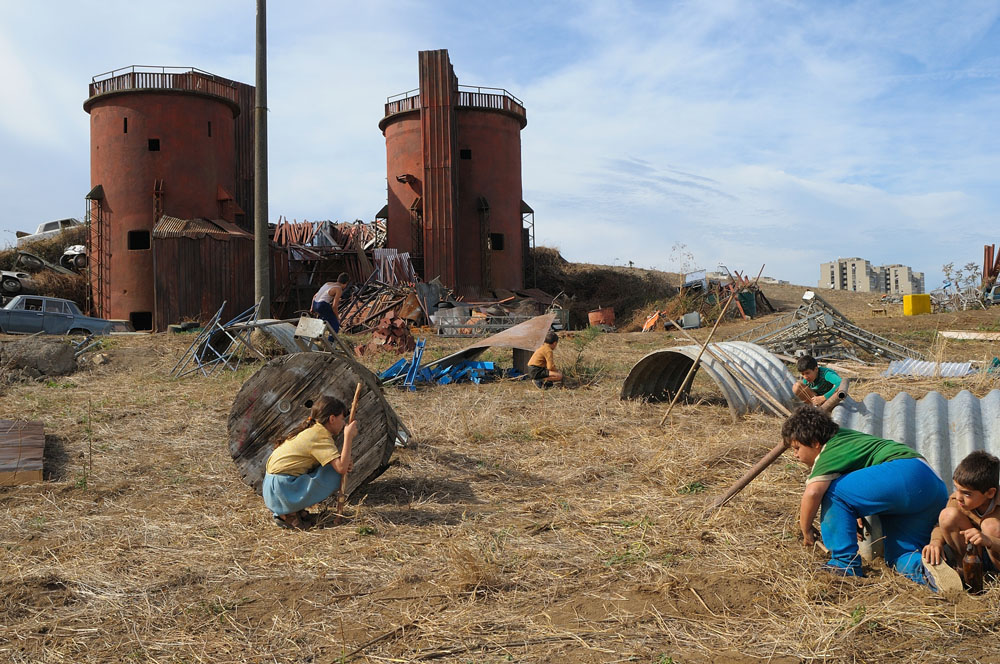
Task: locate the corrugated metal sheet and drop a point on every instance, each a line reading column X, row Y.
column 194, row 275
column 913, row 367
column 195, row 228
column 284, row 335
column 943, row 431
column 660, row 374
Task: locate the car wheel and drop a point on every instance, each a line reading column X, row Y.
column 10, row 285
column 80, row 260
column 77, row 331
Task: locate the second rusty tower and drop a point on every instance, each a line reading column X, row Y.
column 453, row 157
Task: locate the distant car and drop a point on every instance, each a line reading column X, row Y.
column 12, row 283
column 47, row 229
column 30, row 314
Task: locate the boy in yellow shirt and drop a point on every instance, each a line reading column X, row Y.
column 542, row 365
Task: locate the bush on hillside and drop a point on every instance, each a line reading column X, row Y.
column 594, row 286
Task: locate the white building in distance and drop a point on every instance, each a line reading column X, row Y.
column 857, row 274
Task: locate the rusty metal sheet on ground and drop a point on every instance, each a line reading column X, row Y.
column 528, row 335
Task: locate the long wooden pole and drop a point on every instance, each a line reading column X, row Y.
column 771, row 456
column 694, row 365
column 342, row 493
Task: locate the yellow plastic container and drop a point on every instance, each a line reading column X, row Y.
column 914, row 305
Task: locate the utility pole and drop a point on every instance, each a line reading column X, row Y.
column 261, row 244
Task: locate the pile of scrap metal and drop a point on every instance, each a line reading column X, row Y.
column 457, row 318
column 818, row 329
column 391, row 334
column 431, row 303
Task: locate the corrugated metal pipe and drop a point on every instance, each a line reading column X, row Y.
column 943, row 431
column 658, row 375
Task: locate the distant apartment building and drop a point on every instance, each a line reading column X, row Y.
column 901, row 280
column 857, row 274
column 853, row 274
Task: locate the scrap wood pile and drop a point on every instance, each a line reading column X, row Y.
column 344, row 236
column 431, row 303
column 705, row 296
column 819, row 329
column 364, row 307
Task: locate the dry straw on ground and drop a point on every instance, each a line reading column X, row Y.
column 524, row 525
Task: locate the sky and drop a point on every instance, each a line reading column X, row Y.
column 673, row 135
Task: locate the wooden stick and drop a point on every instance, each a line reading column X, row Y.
column 342, row 493
column 771, row 456
column 748, row 476
column 694, row 365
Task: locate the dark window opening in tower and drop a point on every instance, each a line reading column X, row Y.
column 210, row 129
column 141, row 320
column 496, row 241
column 138, row 240
column 124, row 125
column 465, row 154
column 154, row 145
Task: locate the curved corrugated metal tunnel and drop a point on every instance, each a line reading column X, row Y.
column 943, row 431
column 658, row 375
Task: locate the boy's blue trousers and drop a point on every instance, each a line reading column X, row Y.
column 906, row 494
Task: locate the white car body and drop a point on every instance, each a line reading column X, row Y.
column 48, row 229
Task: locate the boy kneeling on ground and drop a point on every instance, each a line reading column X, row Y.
column 856, row 475
column 818, row 383
column 542, row 365
column 972, row 516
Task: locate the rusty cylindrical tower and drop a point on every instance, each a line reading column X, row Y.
column 453, row 157
column 161, row 142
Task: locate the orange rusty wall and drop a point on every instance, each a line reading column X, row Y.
column 404, row 156
column 493, row 141
column 191, row 163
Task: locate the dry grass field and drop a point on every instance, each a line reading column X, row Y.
column 520, row 525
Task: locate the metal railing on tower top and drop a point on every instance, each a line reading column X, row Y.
column 146, row 77
column 469, row 96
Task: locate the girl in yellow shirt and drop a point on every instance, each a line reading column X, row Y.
column 306, row 467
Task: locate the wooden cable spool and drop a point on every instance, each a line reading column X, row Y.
column 277, row 399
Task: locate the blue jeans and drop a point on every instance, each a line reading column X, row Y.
column 325, row 311
column 906, row 495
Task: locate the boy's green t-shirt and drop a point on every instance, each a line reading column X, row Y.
column 851, row 450
column 827, row 382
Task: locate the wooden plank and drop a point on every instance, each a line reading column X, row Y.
column 22, row 451
column 20, row 477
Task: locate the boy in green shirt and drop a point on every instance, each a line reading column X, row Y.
column 854, row 475
column 818, row 383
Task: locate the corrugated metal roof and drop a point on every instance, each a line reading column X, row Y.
column 911, row 367
column 661, row 373
column 943, row 431
column 173, row 227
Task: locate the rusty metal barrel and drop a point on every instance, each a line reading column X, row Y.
column 277, row 399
